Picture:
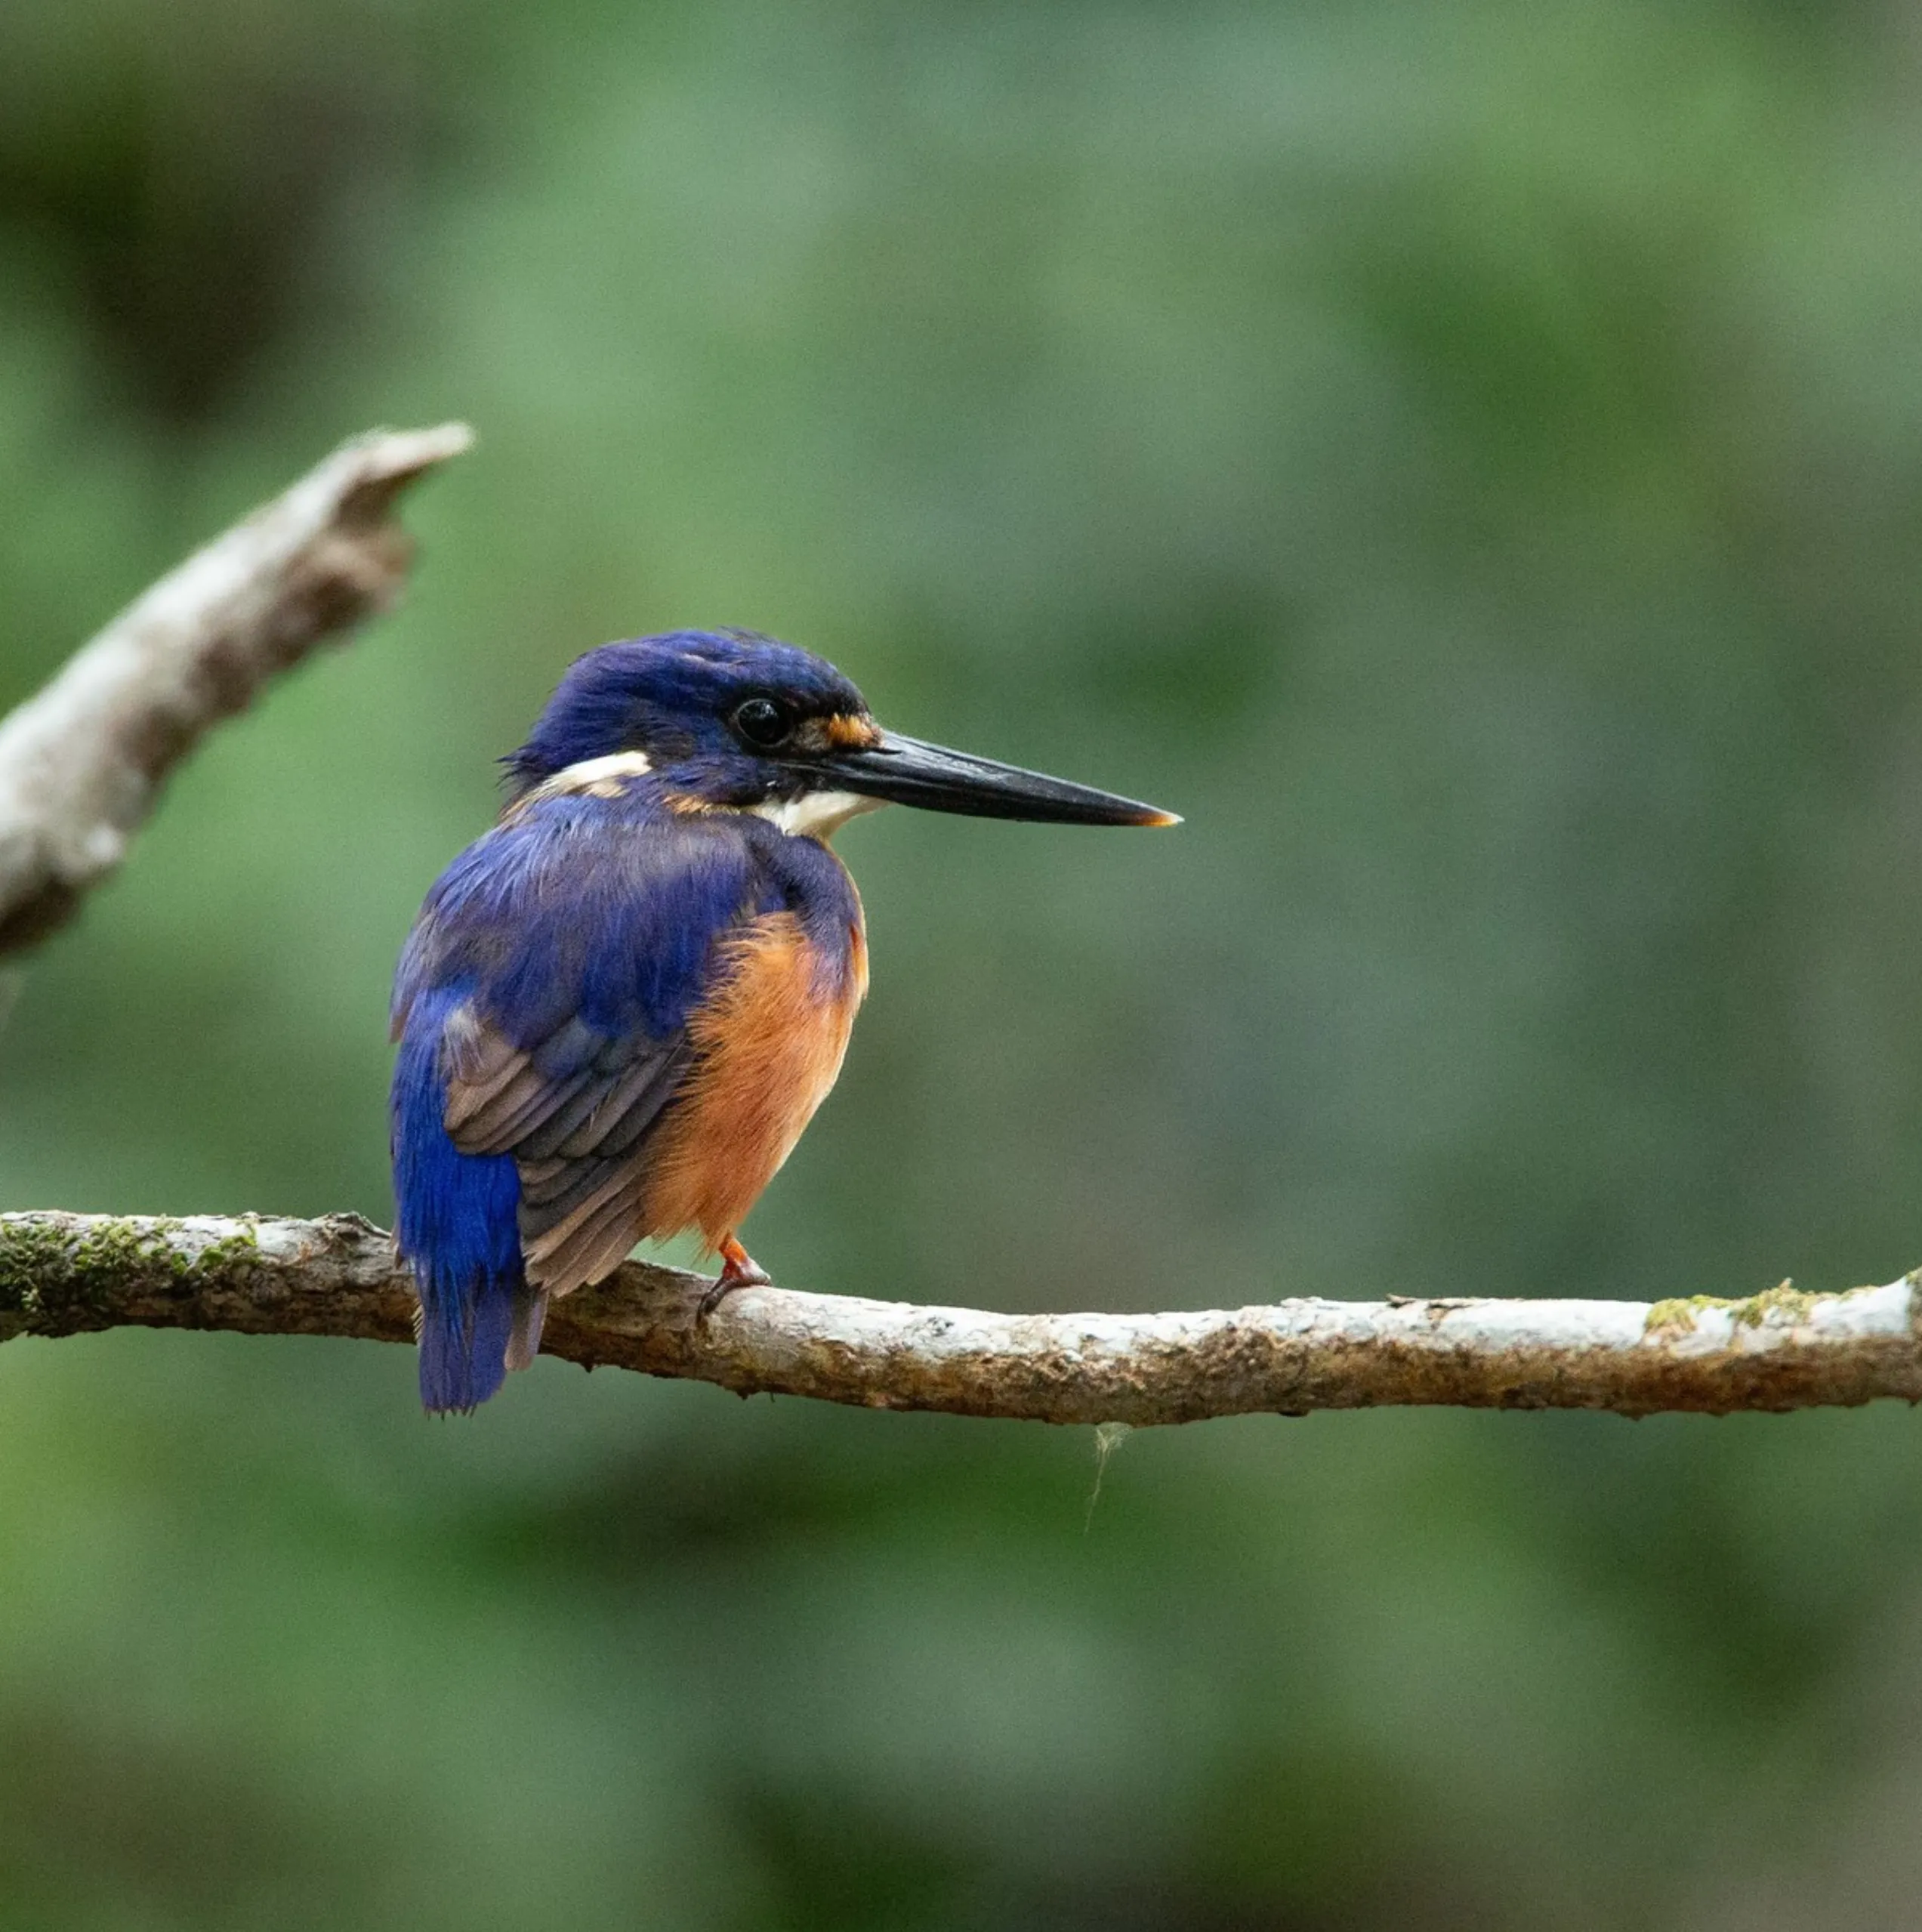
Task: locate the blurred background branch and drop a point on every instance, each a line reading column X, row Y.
column 81, row 761
column 66, row 1274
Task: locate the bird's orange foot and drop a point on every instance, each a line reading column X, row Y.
column 738, row 1270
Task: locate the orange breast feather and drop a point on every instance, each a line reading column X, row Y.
column 769, row 1045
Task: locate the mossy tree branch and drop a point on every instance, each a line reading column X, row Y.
column 65, row 1274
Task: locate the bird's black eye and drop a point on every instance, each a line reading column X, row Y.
column 763, row 722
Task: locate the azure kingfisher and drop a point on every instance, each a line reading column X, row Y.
column 619, row 1007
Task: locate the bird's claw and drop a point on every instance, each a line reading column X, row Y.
column 738, row 1270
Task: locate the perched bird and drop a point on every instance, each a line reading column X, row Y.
column 619, row 1007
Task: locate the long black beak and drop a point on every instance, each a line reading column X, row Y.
column 906, row 772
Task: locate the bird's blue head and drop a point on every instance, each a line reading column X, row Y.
column 726, row 719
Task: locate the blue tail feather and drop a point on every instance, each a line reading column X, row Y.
column 459, row 1226
column 464, row 1350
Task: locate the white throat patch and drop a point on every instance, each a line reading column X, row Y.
column 816, row 814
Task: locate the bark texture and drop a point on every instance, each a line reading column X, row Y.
column 81, row 761
column 63, row 1274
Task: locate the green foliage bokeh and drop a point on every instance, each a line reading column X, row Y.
column 1468, row 461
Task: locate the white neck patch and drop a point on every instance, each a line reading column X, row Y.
column 816, row 814
column 601, row 778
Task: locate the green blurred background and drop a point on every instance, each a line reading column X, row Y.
column 1467, row 459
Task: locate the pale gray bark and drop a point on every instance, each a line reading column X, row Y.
column 81, row 761
column 63, row 1274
